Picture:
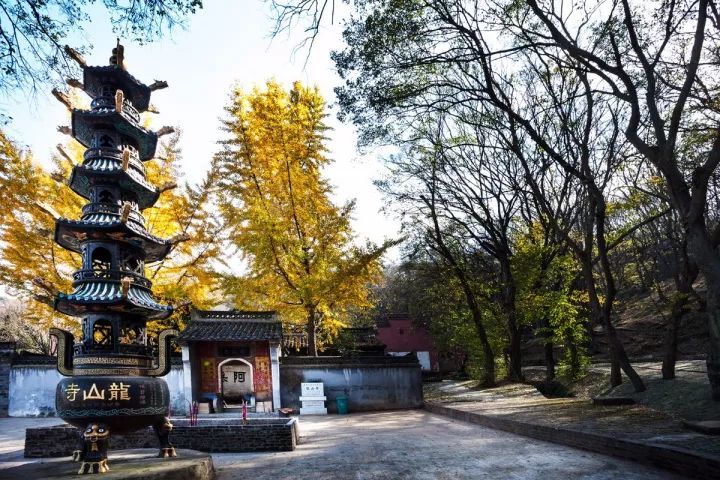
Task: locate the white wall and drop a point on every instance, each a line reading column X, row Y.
column 32, row 390
column 175, row 382
column 368, row 387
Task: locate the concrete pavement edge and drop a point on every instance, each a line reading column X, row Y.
column 683, row 461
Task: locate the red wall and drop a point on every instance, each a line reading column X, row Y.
column 412, row 338
column 207, row 352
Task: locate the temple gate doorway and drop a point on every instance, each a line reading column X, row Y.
column 236, row 382
column 230, row 356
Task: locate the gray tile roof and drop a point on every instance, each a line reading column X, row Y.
column 109, row 224
column 93, row 293
column 134, row 88
column 130, row 179
column 232, row 325
column 84, row 123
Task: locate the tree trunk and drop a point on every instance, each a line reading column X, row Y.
column 463, row 365
column 572, row 352
column 686, row 272
column 311, row 331
column 615, row 372
column 708, row 261
column 546, row 326
column 671, row 337
column 515, row 353
column 713, row 313
column 618, row 358
column 488, row 379
column 547, row 334
column 508, row 302
column 596, row 317
column 549, row 361
column 617, row 351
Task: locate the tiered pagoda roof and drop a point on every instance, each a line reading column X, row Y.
column 134, row 89
column 117, row 145
column 107, row 164
column 71, row 233
column 102, row 296
column 126, row 122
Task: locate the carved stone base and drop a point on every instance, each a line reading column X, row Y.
column 126, row 465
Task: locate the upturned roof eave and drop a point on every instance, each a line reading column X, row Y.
column 103, row 296
column 134, row 88
column 147, row 140
column 162, row 246
column 147, row 194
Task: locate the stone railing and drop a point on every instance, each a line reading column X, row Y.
column 112, row 209
column 107, row 103
column 114, row 275
column 115, row 154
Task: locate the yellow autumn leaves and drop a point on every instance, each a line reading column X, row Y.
column 264, row 201
column 33, row 266
column 298, row 246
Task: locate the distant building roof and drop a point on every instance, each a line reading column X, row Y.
column 365, row 338
column 232, row 325
column 234, row 314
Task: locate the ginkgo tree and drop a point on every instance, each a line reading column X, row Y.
column 299, row 250
column 187, row 276
column 34, row 267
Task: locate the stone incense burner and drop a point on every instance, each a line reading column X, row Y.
column 112, row 384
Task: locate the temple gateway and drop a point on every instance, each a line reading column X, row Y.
column 230, row 357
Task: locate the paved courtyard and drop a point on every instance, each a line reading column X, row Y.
column 396, row 445
column 419, row 445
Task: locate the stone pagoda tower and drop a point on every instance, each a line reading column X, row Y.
column 111, row 384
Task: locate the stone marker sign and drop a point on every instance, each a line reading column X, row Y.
column 312, row 396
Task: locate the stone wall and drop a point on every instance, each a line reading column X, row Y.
column 7, row 352
column 370, row 383
column 31, row 383
column 224, row 435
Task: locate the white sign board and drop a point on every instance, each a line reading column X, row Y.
column 314, row 389
column 312, row 396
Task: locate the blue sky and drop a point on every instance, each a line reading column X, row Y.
column 226, row 43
